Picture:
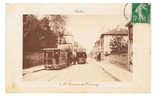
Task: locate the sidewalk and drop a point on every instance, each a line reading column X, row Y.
column 119, row 73
column 33, row 69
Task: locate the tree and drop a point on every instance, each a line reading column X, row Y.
column 49, row 37
column 42, row 33
column 31, row 30
column 57, row 24
column 118, row 44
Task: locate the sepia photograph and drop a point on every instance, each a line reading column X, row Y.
column 76, row 48
column 79, row 48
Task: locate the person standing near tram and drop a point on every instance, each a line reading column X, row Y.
column 69, row 58
column 99, row 56
column 74, row 57
column 56, row 55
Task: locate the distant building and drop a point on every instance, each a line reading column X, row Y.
column 96, row 49
column 105, row 44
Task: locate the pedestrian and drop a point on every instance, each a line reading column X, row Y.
column 69, row 60
column 99, row 57
column 57, row 56
column 74, row 57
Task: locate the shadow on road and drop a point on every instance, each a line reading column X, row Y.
column 38, row 70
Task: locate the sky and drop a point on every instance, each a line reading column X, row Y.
column 86, row 28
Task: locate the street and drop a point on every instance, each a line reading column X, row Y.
column 90, row 72
column 63, row 40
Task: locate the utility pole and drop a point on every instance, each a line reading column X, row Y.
column 130, row 37
column 130, row 45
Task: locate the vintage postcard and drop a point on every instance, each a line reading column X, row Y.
column 78, row 48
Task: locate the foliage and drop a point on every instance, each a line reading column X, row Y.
column 118, row 44
column 42, row 33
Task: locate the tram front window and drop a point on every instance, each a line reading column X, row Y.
column 50, row 55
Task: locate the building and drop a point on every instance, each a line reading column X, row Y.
column 106, row 38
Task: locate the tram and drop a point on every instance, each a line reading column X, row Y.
column 81, row 56
column 55, row 58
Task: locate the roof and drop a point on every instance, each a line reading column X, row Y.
column 115, row 32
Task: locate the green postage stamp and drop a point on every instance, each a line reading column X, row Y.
column 141, row 13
